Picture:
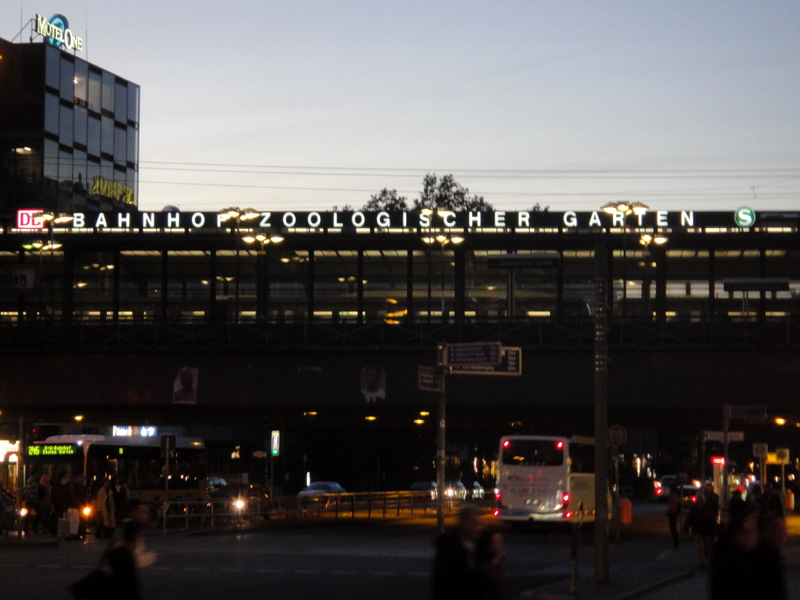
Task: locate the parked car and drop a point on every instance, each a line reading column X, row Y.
column 478, row 493
column 320, row 488
column 322, row 494
column 425, row 489
column 455, row 491
column 689, row 490
column 242, row 498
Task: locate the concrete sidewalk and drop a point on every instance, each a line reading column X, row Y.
column 649, row 568
column 630, row 581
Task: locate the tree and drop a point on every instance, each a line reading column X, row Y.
column 448, row 193
column 386, row 200
column 539, row 208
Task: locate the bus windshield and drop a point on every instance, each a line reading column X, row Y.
column 533, row 453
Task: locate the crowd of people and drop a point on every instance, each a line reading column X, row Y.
column 53, row 505
column 741, row 543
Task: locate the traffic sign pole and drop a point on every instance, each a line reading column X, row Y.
column 440, row 445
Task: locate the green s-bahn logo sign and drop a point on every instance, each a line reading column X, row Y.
column 745, row 217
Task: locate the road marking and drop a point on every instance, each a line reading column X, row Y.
column 384, row 573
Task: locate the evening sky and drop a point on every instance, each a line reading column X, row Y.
column 311, row 104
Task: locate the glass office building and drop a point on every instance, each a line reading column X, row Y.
column 69, row 132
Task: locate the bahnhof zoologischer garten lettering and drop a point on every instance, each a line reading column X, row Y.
column 245, row 267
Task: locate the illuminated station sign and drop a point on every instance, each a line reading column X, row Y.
column 398, row 221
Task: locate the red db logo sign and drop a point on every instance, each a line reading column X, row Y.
column 30, row 218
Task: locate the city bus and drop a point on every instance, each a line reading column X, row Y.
column 138, row 462
column 545, row 479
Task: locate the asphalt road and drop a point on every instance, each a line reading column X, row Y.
column 373, row 560
column 388, row 560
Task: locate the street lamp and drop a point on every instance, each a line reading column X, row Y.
column 263, row 239
column 236, row 216
column 621, row 211
column 443, row 239
column 645, row 240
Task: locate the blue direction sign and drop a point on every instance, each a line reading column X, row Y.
column 510, row 364
column 481, row 353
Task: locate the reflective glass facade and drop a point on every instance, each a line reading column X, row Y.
column 69, row 132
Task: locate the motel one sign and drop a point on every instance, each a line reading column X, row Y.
column 56, row 30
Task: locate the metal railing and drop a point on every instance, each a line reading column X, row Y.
column 221, row 514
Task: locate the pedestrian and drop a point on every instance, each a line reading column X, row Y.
column 673, row 514
column 63, row 500
column 30, row 495
column 122, row 563
column 772, row 502
column 490, row 555
column 700, row 521
column 45, row 499
column 712, row 501
column 104, row 505
column 736, row 507
column 736, row 563
column 138, row 510
column 455, row 572
column 770, row 556
column 122, row 496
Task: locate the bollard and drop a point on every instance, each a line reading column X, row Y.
column 625, row 508
column 788, row 500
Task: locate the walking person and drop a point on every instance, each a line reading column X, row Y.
column 673, row 514
column 30, row 495
column 106, row 510
column 736, row 564
column 700, row 522
column 45, row 499
column 455, row 572
column 713, row 506
column 770, row 556
column 489, row 555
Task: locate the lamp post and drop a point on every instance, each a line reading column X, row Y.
column 49, row 220
column 263, row 239
column 621, row 211
column 236, row 216
column 601, row 568
column 645, row 240
column 443, row 239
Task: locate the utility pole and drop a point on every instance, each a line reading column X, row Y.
column 601, row 567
